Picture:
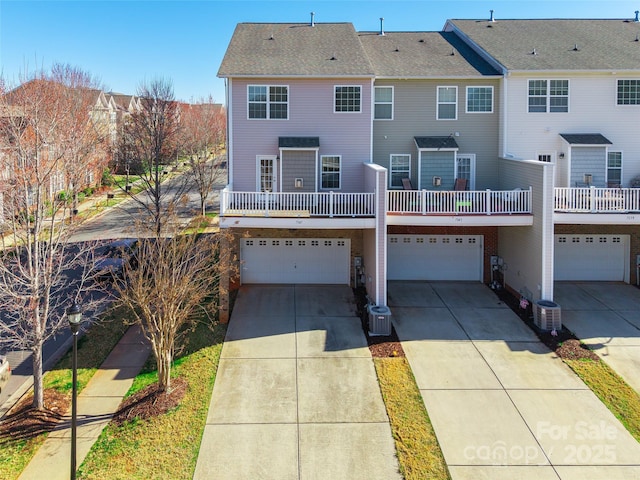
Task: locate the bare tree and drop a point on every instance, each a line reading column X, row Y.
column 171, row 281
column 46, row 139
column 203, row 138
column 149, row 140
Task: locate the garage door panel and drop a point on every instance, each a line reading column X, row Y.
column 591, row 257
column 283, row 260
column 435, row 257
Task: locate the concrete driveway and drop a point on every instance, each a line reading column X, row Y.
column 502, row 405
column 296, row 394
column 606, row 316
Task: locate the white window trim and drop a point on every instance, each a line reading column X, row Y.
column 334, row 98
column 392, row 102
column 624, row 105
column 548, row 95
column 621, row 164
column 274, row 179
column 466, row 103
column 552, row 156
column 339, row 157
column 268, row 103
column 472, row 168
column 391, row 169
column 438, row 103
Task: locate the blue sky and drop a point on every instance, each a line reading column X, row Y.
column 124, row 42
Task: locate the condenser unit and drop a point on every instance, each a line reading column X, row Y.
column 546, row 315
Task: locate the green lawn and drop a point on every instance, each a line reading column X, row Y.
column 93, row 348
column 417, row 447
column 164, row 447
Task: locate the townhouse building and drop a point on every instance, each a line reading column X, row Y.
column 470, row 154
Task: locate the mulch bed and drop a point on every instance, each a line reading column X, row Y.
column 563, row 342
column 24, row 422
column 150, row 402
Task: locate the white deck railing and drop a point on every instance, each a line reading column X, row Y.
column 283, row 204
column 477, row 202
column 597, row 200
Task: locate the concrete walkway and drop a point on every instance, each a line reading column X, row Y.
column 502, row 405
column 296, row 394
column 605, row 316
column 96, row 405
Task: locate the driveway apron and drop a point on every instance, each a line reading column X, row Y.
column 296, row 393
column 605, row 316
column 502, row 405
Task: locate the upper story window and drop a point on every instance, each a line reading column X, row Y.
column 399, row 168
column 347, row 98
column 548, row 96
column 383, row 103
column 479, row 99
column 628, row 92
column 268, row 101
column 330, row 172
column 447, row 103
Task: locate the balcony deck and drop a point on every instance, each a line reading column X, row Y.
column 597, row 200
column 475, row 202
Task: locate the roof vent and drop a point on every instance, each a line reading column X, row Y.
column 381, row 26
column 575, row 47
column 333, row 58
column 533, row 52
column 637, row 37
column 421, row 40
column 453, row 52
column 491, row 19
column 397, row 49
column 313, row 23
column 637, row 12
column 271, row 37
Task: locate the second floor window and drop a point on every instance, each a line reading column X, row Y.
column 628, row 92
column 347, row 98
column 330, row 172
column 447, row 103
column 383, row 103
column 548, row 96
column 400, row 167
column 479, row 99
column 614, row 169
column 268, row 102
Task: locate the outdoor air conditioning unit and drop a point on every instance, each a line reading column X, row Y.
column 379, row 320
column 546, row 315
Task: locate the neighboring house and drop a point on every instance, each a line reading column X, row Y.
column 456, row 155
column 571, row 100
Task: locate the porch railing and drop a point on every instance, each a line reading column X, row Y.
column 284, row 204
column 476, row 202
column 597, row 200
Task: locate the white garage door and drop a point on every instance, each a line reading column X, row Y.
column 592, row 257
column 435, row 257
column 295, row 260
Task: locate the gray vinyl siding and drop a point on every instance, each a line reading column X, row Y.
column 298, row 164
column 591, row 160
column 438, row 164
column 415, row 104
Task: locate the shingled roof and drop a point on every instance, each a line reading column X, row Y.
column 422, row 55
column 558, row 44
column 295, row 49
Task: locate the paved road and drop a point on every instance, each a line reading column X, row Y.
column 114, row 223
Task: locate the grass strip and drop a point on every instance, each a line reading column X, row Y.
column 93, row 348
column 417, row 447
column 166, row 446
column 622, row 400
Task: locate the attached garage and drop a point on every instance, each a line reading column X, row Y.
column 435, row 257
column 592, row 257
column 295, row 260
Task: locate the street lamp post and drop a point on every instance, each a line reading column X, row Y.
column 74, row 316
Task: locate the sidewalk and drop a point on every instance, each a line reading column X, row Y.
column 96, row 405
